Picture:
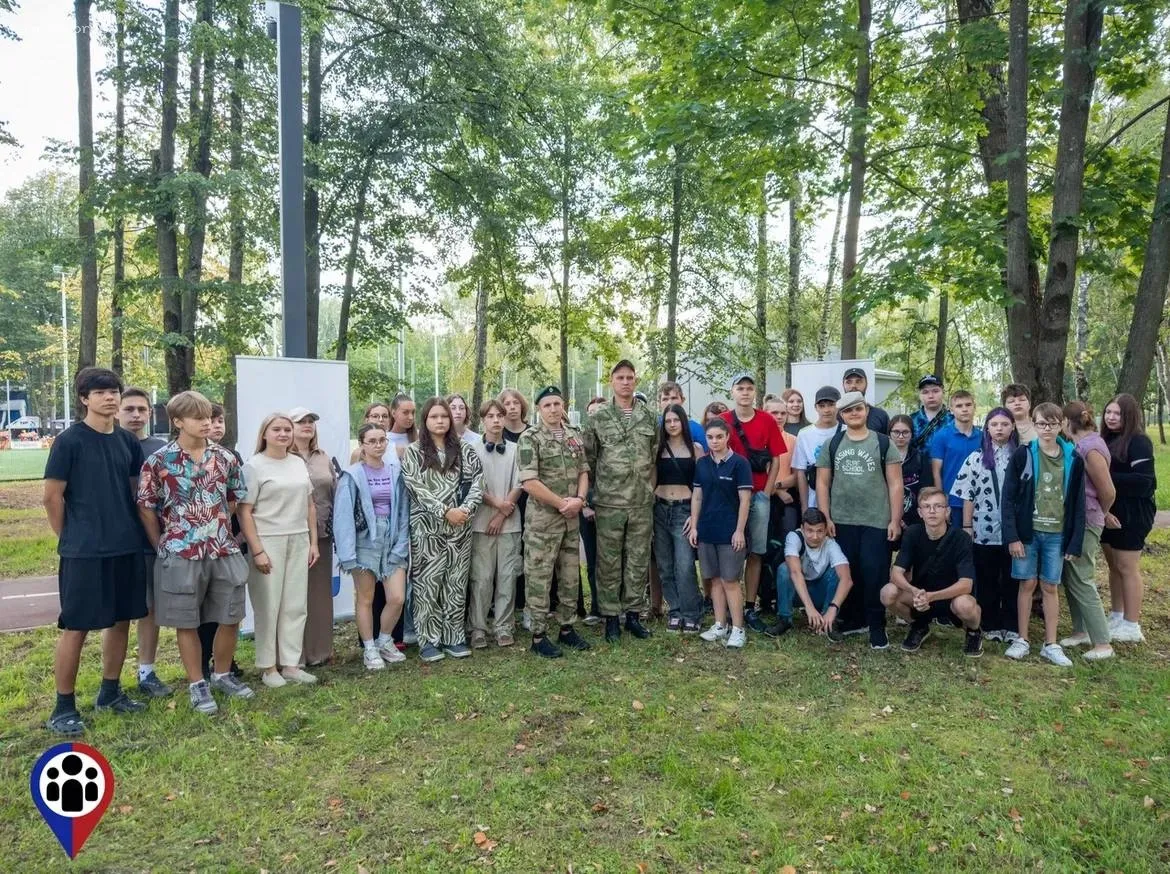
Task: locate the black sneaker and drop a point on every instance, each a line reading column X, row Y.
column 834, row 633
column 154, row 687
column 613, row 629
column 689, row 627
column 915, row 636
column 783, row 626
column 122, row 704
column 753, row 621
column 973, row 648
column 544, row 647
column 878, row 639
column 570, row 638
column 635, row 627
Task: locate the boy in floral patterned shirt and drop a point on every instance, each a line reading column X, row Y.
column 191, row 486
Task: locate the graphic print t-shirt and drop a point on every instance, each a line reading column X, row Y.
column 1049, row 513
column 859, row 494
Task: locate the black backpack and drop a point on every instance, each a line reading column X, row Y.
column 835, row 443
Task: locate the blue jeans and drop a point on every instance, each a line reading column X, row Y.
column 821, row 591
column 675, row 558
column 1043, row 558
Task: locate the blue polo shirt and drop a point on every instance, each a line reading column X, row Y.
column 721, row 482
column 952, row 448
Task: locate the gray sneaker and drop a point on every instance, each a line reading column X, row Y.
column 232, row 687
column 154, row 687
column 201, row 698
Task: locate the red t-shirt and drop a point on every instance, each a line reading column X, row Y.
column 762, row 433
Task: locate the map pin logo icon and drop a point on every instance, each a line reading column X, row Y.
column 72, row 785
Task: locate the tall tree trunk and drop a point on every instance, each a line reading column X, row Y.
column 1003, row 154
column 312, row 196
column 761, row 344
column 676, row 208
column 795, row 254
column 1083, row 21
column 237, row 229
column 482, row 295
column 940, row 331
column 1150, row 303
column 566, row 217
column 202, row 106
column 116, row 306
column 827, row 297
column 1162, row 373
column 87, row 350
column 1080, row 361
column 164, row 221
column 355, row 239
column 858, row 136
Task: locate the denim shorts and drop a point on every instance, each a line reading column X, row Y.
column 757, row 524
column 1043, row 559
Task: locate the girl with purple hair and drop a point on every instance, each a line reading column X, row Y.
column 979, row 484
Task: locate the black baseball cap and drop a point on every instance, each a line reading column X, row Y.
column 929, row 379
column 855, row 371
column 625, row 362
column 827, row 393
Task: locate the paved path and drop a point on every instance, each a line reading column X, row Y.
column 28, row 603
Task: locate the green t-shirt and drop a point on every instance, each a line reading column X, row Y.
column 859, row 495
column 1049, row 513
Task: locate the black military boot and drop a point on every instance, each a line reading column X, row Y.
column 613, row 629
column 570, row 638
column 635, row 627
column 544, row 647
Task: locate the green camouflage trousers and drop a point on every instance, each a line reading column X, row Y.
column 624, row 535
column 551, row 544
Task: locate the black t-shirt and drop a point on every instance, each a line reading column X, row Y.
column 936, row 564
column 101, row 518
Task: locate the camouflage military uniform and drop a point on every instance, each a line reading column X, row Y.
column 550, row 540
column 621, row 455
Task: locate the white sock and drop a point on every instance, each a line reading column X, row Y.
column 216, row 676
column 1114, row 615
column 144, row 671
column 371, row 645
column 384, row 640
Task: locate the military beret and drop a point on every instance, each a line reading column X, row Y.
column 547, row 392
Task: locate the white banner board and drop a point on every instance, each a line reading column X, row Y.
column 269, row 385
column 808, row 376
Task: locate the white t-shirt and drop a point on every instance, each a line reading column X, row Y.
column 814, row 562
column 278, row 490
column 808, row 445
column 501, row 474
column 470, row 437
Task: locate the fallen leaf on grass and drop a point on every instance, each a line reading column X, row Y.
column 905, row 796
column 1007, row 790
column 1148, row 802
column 362, row 869
column 642, row 867
column 600, row 807
column 887, row 710
column 788, row 869
column 330, row 863
column 334, row 803
column 1058, row 727
column 1014, row 815
column 126, row 808
column 484, row 842
column 869, row 808
column 171, row 796
column 520, row 748
column 638, row 705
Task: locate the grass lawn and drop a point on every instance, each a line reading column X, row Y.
column 668, row 755
column 29, row 546
column 23, row 464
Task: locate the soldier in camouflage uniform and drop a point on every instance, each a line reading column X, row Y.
column 621, row 442
column 554, row 473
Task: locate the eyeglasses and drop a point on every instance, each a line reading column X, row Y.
column 900, row 433
column 1047, row 426
column 932, row 508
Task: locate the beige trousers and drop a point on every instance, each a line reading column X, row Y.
column 280, row 601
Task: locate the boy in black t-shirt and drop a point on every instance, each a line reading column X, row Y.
column 90, row 482
column 933, row 576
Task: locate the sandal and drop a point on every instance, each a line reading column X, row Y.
column 68, row 724
column 674, row 623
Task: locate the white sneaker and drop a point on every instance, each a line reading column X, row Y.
column 736, row 639
column 714, row 633
column 1055, row 654
column 1127, row 632
column 372, row 660
column 1018, row 650
column 299, row 675
column 391, row 655
column 1115, row 619
column 273, row 679
column 1010, row 637
column 1081, row 638
column 1097, row 655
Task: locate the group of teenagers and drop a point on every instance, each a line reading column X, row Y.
column 448, row 533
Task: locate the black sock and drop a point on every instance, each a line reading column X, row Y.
column 66, row 703
column 110, row 689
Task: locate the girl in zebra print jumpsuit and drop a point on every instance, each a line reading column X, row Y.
column 445, row 480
